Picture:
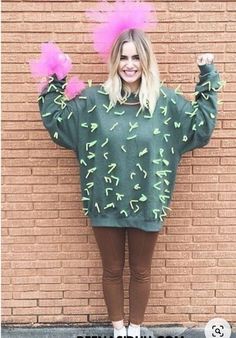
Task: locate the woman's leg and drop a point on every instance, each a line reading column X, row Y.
column 141, row 247
column 111, row 244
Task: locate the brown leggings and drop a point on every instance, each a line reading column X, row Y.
column 111, row 243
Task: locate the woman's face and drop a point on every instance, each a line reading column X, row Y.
column 130, row 69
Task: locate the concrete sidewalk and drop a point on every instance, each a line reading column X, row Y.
column 102, row 331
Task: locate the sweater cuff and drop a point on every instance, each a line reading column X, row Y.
column 205, row 69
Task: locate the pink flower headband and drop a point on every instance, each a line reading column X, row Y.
column 116, row 18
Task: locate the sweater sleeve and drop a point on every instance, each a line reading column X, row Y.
column 60, row 116
column 198, row 118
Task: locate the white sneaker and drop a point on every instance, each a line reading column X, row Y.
column 120, row 333
column 134, row 331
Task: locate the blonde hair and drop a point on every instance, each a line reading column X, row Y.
column 149, row 90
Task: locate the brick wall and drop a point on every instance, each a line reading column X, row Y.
column 51, row 270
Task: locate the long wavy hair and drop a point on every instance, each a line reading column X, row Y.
column 149, row 89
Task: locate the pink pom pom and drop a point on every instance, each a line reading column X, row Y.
column 52, row 61
column 115, row 19
column 74, row 87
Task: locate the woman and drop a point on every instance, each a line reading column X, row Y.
column 129, row 135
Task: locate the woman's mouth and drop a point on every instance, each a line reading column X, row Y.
column 130, row 72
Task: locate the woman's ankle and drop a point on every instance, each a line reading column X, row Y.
column 119, row 324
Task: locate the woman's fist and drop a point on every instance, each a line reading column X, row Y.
column 205, row 59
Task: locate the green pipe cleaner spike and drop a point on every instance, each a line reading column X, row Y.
column 85, row 125
column 173, row 101
column 137, row 209
column 156, row 131
column 164, row 110
column 108, row 189
column 166, row 137
column 156, row 186
column 105, row 155
column 105, row 143
column 83, row 97
column 90, row 82
column 137, row 187
column 101, row 92
column 56, row 100
column 139, row 166
column 207, row 83
column 116, row 179
column 114, row 125
column 131, row 175
column 90, row 171
column 105, row 107
column 143, row 152
column 83, row 162
column 87, row 191
column 123, row 148
column 166, row 181
column 90, row 184
column 162, row 198
column 131, row 137
column 177, row 90
column 166, row 190
column 90, row 144
column 201, row 123
column 148, row 116
column 124, row 212
column 172, row 150
column 143, row 198
column 165, row 162
column 46, row 114
column 155, row 211
column 139, row 111
column 145, row 173
column 194, row 126
column 50, row 79
column 85, row 198
column 41, row 98
column 161, row 218
column 64, row 85
column 86, row 211
column 133, row 126
column 119, row 196
column 220, row 101
column 206, row 97
column 69, row 116
column 164, row 94
column 167, row 121
column 91, row 155
column 63, row 105
column 185, row 138
column 110, row 205
column 59, row 119
column 52, row 86
column 112, row 166
column 97, row 206
column 107, row 179
column 161, row 152
column 92, row 109
column 164, row 207
column 157, row 161
column 55, row 135
column 131, row 202
column 119, row 113
column 212, row 115
column 177, row 124
column 94, row 126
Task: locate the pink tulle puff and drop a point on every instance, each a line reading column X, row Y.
column 74, row 87
column 116, row 18
column 51, row 61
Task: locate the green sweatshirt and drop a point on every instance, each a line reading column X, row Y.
column 128, row 158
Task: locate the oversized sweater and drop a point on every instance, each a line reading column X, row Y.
column 128, row 158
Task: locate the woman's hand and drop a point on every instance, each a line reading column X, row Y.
column 204, row 59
